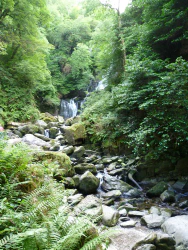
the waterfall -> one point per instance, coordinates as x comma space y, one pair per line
68, 108
101, 85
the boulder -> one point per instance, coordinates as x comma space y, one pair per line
147, 247
75, 134
75, 199
177, 228
165, 242
88, 183
127, 224
110, 216
30, 139
83, 167
63, 163
157, 190
47, 117
43, 137
41, 123
30, 129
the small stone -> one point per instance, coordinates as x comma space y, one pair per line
123, 212
130, 223
183, 204
152, 220
112, 194
136, 213
110, 216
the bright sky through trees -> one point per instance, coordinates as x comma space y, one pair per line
118, 4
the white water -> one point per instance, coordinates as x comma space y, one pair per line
68, 108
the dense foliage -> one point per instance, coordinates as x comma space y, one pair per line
34, 213
147, 110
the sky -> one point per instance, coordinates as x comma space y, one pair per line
118, 3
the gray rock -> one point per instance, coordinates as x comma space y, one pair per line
134, 193
68, 150
41, 123
167, 196
122, 212
111, 167
112, 194
183, 204
55, 147
88, 183
147, 247
157, 190
69, 182
78, 152
83, 167
152, 220
30, 139
177, 227
75, 199
165, 212
52, 124
164, 241
127, 224
136, 213
43, 137
149, 239
90, 205
110, 216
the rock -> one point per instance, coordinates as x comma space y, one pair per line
69, 182
149, 239
116, 172
75, 134
68, 150
73, 120
99, 167
63, 168
152, 220
14, 141
60, 119
167, 196
183, 204
30, 129
127, 224
75, 199
110, 216
112, 194
53, 131
47, 117
41, 123
147, 247
88, 183
30, 139
177, 228
43, 137
165, 242
122, 212
90, 205
78, 152
52, 124
83, 167
136, 213
111, 167
180, 185
126, 238
112, 183
134, 193
157, 190
76, 179
55, 147
165, 212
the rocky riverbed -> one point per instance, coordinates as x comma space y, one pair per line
149, 215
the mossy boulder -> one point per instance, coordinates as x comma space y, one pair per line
47, 117
83, 167
30, 129
157, 190
53, 131
75, 134
62, 161
88, 183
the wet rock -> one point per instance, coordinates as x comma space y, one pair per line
115, 172
167, 196
108, 202
110, 216
112, 194
78, 152
99, 167
30, 129
76, 179
149, 239
111, 167
83, 167
127, 224
134, 193
52, 124
55, 147
88, 183
41, 123
157, 190
152, 220
177, 228
165, 212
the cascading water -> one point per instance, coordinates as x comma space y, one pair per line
68, 108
